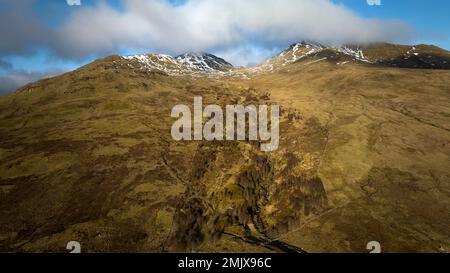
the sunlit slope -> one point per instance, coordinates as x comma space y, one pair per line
364, 156
88, 156
386, 164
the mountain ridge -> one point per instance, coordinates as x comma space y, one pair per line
307, 52
384, 54
380, 54
204, 61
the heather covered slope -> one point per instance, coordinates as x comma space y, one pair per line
403, 56
386, 164
364, 155
88, 156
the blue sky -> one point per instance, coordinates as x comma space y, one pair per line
48, 37
429, 18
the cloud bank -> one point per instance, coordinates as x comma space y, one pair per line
197, 25
205, 25
243, 32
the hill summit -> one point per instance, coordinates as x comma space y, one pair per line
204, 61
381, 54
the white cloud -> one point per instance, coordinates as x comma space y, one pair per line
244, 30
374, 2
73, 2
205, 25
246, 55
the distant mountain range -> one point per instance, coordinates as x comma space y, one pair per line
402, 56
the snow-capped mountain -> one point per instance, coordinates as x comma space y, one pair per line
311, 49
305, 52
300, 50
383, 54
160, 62
186, 64
204, 62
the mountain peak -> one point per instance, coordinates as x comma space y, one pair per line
381, 54
204, 61
309, 44
188, 63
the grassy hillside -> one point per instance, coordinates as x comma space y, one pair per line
364, 155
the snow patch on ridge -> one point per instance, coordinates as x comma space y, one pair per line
355, 53
195, 65
205, 62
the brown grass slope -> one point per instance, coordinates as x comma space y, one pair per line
364, 155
